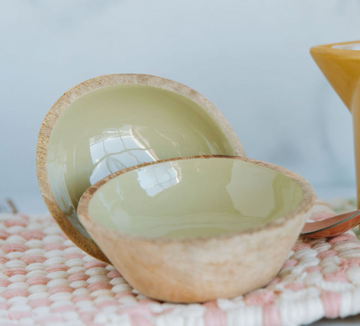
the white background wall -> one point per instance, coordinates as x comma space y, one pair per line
250, 58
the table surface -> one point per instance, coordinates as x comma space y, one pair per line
33, 204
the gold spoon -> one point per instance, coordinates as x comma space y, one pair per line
332, 226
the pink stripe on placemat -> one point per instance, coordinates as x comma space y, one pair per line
107, 303
99, 285
113, 274
14, 247
147, 301
338, 276
290, 262
74, 255
271, 316
15, 222
37, 280
95, 263
78, 277
54, 246
4, 235
33, 259
213, 315
33, 234
274, 281
4, 282
342, 237
60, 289
331, 303
301, 246
354, 261
14, 271
56, 268
313, 269
88, 316
15, 293
327, 253
259, 298
295, 286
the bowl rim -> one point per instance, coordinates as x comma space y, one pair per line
330, 49
85, 87
303, 207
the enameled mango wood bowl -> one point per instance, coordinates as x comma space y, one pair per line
113, 122
198, 228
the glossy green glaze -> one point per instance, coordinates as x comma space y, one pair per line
119, 126
194, 197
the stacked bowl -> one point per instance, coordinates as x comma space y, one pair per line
146, 174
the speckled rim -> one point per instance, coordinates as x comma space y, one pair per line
304, 206
73, 94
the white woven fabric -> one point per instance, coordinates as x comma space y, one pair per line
46, 280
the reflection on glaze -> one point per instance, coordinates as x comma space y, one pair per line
158, 179
197, 197
120, 148
120, 126
351, 46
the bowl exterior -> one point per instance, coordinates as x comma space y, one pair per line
199, 271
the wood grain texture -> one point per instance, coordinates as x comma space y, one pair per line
203, 268
78, 91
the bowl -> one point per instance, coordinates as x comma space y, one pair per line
198, 228
112, 122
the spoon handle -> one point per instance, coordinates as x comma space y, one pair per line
332, 226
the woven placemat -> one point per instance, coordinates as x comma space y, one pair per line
46, 280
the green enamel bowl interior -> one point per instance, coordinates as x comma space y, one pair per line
194, 197
119, 126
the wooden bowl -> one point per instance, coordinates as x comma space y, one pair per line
199, 228
112, 122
